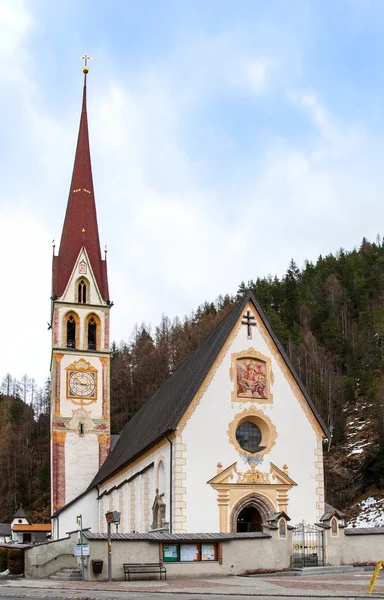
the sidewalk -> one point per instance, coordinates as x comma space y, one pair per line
342, 585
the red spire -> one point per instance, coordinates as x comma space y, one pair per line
80, 224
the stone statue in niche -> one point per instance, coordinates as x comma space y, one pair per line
251, 378
158, 512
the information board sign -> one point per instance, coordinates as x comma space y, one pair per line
189, 552
170, 552
208, 551
77, 550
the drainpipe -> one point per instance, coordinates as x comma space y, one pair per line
170, 483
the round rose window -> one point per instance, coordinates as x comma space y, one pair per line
248, 436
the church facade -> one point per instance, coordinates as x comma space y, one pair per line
229, 440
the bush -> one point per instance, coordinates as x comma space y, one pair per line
16, 561
3, 559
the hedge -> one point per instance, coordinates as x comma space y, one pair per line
16, 561
3, 559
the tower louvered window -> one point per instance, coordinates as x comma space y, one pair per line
71, 332
82, 292
92, 327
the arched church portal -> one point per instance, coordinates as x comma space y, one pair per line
249, 514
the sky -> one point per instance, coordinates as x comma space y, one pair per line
227, 137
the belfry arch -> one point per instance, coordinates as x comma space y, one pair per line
255, 503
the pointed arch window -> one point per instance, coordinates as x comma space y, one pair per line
92, 334
82, 291
71, 332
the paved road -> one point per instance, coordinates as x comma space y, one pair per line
63, 595
351, 585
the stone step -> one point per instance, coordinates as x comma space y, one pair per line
67, 575
69, 570
299, 571
329, 570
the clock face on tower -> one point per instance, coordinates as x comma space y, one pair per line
81, 384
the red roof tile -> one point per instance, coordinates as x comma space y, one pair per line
80, 215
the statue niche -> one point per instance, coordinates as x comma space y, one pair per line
158, 512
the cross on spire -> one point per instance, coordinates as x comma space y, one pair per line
249, 321
86, 58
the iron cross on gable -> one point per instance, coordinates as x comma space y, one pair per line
250, 321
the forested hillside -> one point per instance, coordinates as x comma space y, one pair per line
330, 318
24, 450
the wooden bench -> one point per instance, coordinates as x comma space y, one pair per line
130, 568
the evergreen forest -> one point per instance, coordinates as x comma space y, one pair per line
330, 318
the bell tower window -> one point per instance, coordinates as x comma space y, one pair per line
82, 292
71, 332
92, 330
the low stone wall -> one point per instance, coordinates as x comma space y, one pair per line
44, 560
354, 546
238, 555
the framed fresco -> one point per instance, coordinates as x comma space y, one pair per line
251, 374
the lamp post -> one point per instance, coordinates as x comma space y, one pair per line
111, 517
80, 524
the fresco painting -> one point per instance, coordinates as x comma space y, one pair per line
251, 378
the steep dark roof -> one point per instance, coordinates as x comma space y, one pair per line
5, 529
162, 412
330, 511
21, 514
80, 224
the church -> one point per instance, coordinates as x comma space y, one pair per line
229, 440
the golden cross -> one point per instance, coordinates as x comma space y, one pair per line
86, 57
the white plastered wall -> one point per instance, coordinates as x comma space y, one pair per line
133, 490
81, 463
207, 443
87, 506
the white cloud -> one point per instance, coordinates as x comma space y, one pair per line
25, 295
256, 73
175, 240
15, 22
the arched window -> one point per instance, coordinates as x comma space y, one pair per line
334, 527
82, 292
92, 334
71, 332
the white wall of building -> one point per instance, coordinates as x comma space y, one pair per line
133, 491
66, 521
206, 439
81, 463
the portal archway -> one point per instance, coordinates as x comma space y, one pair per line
248, 520
250, 512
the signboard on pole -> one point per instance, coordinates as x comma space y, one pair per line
112, 517
77, 550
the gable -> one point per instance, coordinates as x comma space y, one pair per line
255, 365
82, 271
173, 403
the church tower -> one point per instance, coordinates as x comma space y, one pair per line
80, 402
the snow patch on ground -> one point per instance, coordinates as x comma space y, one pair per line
371, 513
